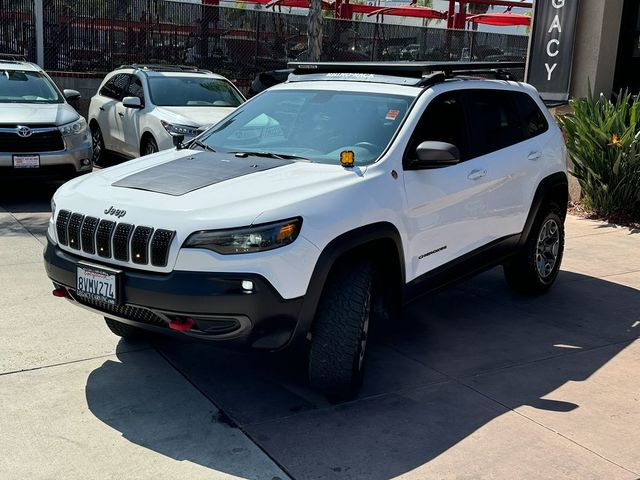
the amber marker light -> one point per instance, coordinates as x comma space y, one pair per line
347, 158
286, 232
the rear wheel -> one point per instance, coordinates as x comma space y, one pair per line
536, 268
341, 331
149, 146
122, 329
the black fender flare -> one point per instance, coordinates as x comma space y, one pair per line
330, 254
554, 186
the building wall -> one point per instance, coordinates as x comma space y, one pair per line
86, 84
596, 46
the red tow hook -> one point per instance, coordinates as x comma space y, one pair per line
60, 292
181, 324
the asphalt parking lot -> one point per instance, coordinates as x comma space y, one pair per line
473, 382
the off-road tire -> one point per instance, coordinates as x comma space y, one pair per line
340, 331
122, 329
523, 271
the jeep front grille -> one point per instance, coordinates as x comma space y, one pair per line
121, 240
108, 239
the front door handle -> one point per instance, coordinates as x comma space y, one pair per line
121, 114
533, 156
476, 174
101, 109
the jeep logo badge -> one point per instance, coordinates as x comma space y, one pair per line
23, 131
114, 212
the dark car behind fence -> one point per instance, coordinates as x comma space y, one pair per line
99, 35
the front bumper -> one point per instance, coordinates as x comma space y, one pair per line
221, 309
63, 163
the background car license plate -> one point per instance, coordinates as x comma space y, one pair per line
97, 284
26, 161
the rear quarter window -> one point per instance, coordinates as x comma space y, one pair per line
533, 119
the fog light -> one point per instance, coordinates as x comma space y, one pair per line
247, 285
86, 162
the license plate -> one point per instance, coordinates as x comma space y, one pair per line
26, 161
97, 284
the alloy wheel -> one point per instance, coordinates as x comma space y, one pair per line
547, 248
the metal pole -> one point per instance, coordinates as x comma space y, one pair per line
39, 13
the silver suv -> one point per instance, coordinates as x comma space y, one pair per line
40, 133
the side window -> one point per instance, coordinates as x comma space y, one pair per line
494, 122
442, 121
115, 87
533, 120
135, 88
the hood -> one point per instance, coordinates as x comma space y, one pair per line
230, 196
195, 116
31, 113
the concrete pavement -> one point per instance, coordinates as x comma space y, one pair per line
472, 383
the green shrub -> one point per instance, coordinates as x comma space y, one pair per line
603, 141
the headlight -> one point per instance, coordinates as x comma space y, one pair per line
257, 238
175, 129
74, 128
53, 208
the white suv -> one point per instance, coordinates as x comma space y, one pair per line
41, 135
316, 208
142, 109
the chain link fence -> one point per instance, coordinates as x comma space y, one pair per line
99, 35
17, 28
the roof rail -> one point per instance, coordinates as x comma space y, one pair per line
403, 69
158, 67
13, 57
425, 73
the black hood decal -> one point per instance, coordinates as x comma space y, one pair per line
196, 171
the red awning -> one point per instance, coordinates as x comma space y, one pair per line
501, 19
417, 12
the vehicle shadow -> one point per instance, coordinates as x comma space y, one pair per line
421, 392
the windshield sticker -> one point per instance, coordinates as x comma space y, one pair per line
392, 114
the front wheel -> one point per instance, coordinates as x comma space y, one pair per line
122, 329
341, 331
536, 268
149, 146
97, 143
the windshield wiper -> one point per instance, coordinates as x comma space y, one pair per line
197, 142
279, 156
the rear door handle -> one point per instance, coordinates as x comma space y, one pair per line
533, 156
102, 109
121, 114
476, 174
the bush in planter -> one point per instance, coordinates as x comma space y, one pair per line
603, 141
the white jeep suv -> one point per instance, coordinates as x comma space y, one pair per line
41, 135
141, 109
317, 207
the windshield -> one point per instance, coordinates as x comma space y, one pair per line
193, 92
17, 86
316, 125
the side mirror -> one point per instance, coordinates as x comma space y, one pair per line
434, 155
132, 102
71, 95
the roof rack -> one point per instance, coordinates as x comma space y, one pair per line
157, 67
12, 57
424, 74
